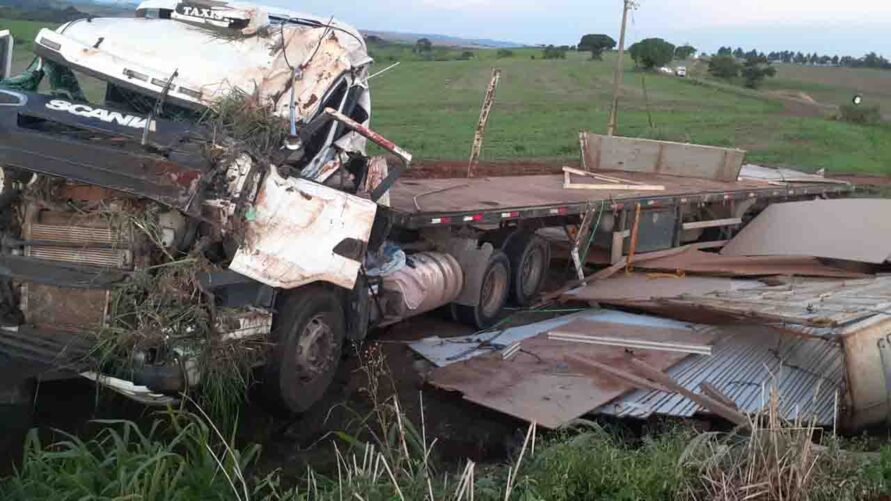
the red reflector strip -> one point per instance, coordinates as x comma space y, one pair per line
441, 220
561, 211
509, 215
474, 218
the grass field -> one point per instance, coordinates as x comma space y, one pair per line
836, 85
431, 108
24, 33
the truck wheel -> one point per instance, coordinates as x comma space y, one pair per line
494, 291
530, 258
307, 335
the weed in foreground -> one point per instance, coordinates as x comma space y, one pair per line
184, 456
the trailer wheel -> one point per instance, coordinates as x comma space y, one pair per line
307, 335
530, 257
494, 291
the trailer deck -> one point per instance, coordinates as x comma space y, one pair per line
421, 203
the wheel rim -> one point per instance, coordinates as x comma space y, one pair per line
494, 291
531, 272
314, 348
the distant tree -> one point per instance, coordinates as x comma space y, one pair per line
873, 60
835, 60
504, 53
374, 40
800, 58
684, 52
465, 56
752, 53
596, 44
725, 51
755, 70
552, 52
738, 53
724, 66
652, 53
423, 46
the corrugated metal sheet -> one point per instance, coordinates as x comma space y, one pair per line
808, 374
443, 352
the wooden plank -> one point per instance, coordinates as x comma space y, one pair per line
480, 132
715, 406
616, 187
584, 364
617, 250
615, 183
716, 223
632, 344
619, 265
602, 177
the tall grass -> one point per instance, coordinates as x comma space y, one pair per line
183, 456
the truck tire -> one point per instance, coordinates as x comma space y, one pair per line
494, 291
307, 335
530, 257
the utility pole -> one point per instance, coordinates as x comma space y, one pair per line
614, 109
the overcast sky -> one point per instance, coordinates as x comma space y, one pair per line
827, 26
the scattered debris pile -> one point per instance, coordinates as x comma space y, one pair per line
720, 330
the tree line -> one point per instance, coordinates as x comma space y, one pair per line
871, 60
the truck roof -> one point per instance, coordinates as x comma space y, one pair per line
143, 54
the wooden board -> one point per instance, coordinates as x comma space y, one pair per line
709, 263
661, 157
537, 384
846, 229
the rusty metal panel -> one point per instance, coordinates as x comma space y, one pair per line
537, 385
709, 263
293, 230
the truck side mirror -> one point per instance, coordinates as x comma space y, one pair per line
6, 45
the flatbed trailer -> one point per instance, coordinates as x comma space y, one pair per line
427, 203
538, 201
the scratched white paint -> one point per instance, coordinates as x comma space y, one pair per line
296, 226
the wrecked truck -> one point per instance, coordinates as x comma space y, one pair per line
128, 213
187, 193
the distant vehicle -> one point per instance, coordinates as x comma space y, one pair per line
666, 70
681, 71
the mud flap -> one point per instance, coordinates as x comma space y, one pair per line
299, 232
